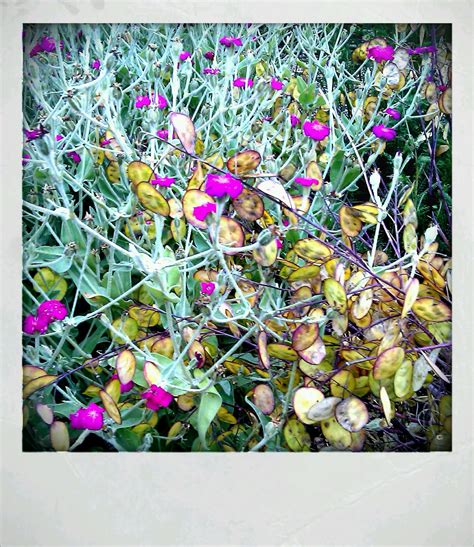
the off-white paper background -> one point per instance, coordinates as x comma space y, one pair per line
244, 499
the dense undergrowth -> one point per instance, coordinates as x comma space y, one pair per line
237, 238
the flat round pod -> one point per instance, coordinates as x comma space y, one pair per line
110, 407
431, 92
431, 310
304, 336
38, 383
361, 386
112, 387
263, 356
31, 372
335, 295
137, 172
125, 325
112, 172
151, 199
315, 353
314, 172
320, 372
401, 58
176, 208
377, 41
358, 440
303, 399
230, 234
51, 283
163, 346
125, 364
324, 409
197, 351
402, 381
192, 199
266, 255
362, 304
274, 188
388, 362
248, 205
244, 162
304, 273
151, 373
263, 398
186, 401
282, 351
391, 73
45, 413
342, 384
296, 436
335, 434
366, 212
59, 436
184, 130
350, 224
352, 414
312, 250
144, 316
445, 101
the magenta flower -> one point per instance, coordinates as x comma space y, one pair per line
35, 50
159, 101
219, 185
383, 132
229, 41
285, 222
33, 324
163, 134
306, 181
96, 64
209, 55
59, 137
124, 388
380, 53
208, 70
89, 417
141, 101
184, 55
74, 156
34, 133
201, 211
278, 243
315, 130
52, 310
422, 49
207, 287
294, 120
163, 181
156, 397
276, 84
25, 159
395, 114
243, 82
48, 44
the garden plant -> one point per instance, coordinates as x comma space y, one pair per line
237, 238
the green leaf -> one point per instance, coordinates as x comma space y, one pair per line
349, 177
209, 404
127, 439
308, 95
337, 167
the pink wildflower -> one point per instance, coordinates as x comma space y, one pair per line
229, 41
25, 159
163, 134
33, 324
201, 211
52, 310
315, 130
141, 101
218, 185
156, 397
306, 181
380, 53
163, 181
294, 120
243, 82
74, 156
208, 70
383, 132
276, 84
422, 49
184, 55
96, 64
34, 133
89, 417
209, 55
278, 243
395, 114
207, 287
59, 138
159, 101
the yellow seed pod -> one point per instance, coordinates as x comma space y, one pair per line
51, 283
